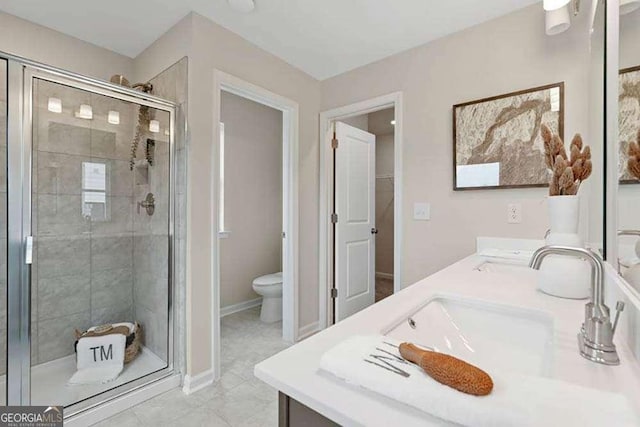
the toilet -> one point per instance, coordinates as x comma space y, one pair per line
270, 287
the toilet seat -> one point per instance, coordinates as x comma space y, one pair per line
269, 279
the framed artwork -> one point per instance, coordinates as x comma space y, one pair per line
497, 142
628, 118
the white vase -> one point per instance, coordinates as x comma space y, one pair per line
565, 276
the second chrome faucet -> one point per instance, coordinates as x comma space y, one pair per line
595, 339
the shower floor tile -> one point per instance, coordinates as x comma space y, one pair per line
49, 380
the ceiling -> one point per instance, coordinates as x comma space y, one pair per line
323, 38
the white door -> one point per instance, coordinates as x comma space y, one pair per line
355, 207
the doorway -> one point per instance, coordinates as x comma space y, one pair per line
360, 239
258, 127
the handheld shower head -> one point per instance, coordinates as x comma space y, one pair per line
121, 80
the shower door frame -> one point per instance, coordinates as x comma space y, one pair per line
22, 73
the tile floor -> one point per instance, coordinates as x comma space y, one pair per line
238, 399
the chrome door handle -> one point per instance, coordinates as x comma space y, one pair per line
374, 231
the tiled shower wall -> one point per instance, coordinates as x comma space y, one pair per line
83, 266
171, 84
110, 264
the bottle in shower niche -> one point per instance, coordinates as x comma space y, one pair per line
565, 276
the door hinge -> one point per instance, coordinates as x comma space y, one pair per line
284, 235
334, 218
334, 293
334, 143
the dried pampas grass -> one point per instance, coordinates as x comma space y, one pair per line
633, 164
568, 171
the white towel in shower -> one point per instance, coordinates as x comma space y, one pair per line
516, 400
99, 359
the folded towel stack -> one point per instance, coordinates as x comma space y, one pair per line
100, 359
516, 400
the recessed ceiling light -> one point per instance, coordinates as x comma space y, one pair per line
393, 122
243, 6
54, 105
85, 112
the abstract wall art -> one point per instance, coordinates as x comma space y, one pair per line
497, 142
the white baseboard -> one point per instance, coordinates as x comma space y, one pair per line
234, 308
191, 384
122, 403
308, 330
384, 275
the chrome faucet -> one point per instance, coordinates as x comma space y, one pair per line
595, 339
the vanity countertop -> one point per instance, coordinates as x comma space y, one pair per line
295, 371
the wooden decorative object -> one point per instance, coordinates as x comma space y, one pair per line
568, 171
633, 164
449, 370
134, 338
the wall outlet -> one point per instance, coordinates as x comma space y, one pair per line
421, 211
514, 213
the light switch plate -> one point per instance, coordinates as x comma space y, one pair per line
514, 213
421, 211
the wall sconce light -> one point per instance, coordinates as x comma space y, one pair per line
113, 117
557, 21
85, 112
554, 4
154, 126
54, 105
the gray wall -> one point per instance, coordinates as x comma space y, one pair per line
150, 257
108, 265
499, 56
379, 124
210, 46
83, 271
253, 197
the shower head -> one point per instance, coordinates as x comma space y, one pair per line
121, 80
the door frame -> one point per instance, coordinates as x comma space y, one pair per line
326, 241
290, 112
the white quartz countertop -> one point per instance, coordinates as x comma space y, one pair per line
295, 370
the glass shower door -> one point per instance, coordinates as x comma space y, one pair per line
100, 221
3, 228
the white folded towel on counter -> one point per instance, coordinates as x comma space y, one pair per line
516, 400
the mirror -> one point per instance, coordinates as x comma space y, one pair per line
628, 261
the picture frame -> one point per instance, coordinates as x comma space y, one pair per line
497, 142
627, 125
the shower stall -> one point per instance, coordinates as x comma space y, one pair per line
86, 232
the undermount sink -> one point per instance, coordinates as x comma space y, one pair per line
488, 335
